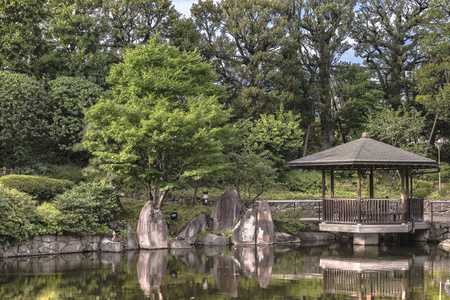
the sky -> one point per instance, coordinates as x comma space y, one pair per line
184, 6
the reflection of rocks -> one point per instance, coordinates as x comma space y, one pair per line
213, 240
190, 231
256, 262
152, 228
190, 258
111, 260
225, 274
132, 256
265, 264
151, 269
227, 209
285, 238
214, 250
256, 227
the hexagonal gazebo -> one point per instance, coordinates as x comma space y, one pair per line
366, 218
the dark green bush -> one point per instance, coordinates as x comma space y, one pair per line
66, 172
307, 181
422, 188
288, 221
18, 215
87, 207
41, 187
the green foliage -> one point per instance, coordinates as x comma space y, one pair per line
50, 220
66, 172
306, 181
422, 188
87, 207
163, 122
278, 135
18, 215
288, 221
24, 117
250, 173
401, 128
185, 214
41, 187
71, 97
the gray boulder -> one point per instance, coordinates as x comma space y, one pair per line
245, 230
264, 226
107, 244
256, 227
227, 209
213, 240
445, 245
180, 244
190, 231
132, 243
152, 228
285, 238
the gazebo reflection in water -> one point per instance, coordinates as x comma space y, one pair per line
365, 278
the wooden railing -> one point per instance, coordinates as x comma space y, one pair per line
362, 284
371, 211
5, 171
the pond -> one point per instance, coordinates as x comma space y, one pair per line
299, 272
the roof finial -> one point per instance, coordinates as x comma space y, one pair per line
365, 135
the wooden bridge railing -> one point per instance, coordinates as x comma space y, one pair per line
371, 211
5, 171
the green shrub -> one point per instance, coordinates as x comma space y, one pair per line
50, 220
288, 221
307, 181
422, 188
40, 187
87, 207
18, 215
66, 172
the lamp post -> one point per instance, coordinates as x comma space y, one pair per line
439, 144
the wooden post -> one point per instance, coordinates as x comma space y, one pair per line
371, 182
402, 177
324, 214
359, 196
411, 186
332, 182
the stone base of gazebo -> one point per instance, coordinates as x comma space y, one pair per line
367, 234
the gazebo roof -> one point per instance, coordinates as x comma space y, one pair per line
363, 152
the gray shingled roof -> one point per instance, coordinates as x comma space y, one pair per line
363, 152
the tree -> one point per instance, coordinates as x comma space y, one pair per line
250, 173
21, 38
356, 95
70, 98
387, 34
161, 124
433, 77
277, 137
133, 22
75, 35
243, 39
401, 128
25, 114
319, 29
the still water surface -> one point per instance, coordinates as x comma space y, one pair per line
300, 272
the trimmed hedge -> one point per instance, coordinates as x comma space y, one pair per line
18, 215
41, 187
86, 208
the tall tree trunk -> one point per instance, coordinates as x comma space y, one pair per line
432, 133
